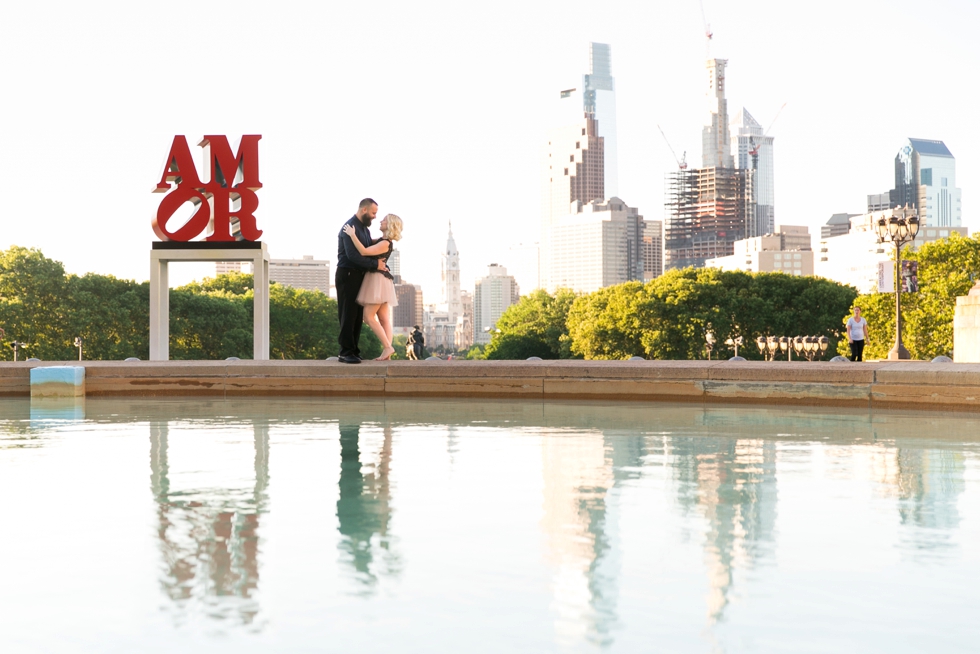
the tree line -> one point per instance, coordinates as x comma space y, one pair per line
665, 318
44, 307
669, 317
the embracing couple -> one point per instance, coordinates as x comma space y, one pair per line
365, 287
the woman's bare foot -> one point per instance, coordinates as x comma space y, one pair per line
386, 354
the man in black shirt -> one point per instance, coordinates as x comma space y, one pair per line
351, 266
418, 343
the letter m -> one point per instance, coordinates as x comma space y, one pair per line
230, 170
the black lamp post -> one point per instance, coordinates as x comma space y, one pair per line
898, 230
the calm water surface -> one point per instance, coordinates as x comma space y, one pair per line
278, 525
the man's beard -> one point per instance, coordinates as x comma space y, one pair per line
366, 220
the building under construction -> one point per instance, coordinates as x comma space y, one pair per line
708, 209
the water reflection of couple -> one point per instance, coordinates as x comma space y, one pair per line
365, 287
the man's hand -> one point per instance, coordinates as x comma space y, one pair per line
382, 266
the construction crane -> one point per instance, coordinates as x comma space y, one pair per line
754, 152
682, 162
708, 34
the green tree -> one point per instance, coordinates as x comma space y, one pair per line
668, 317
535, 326
45, 308
476, 353
33, 303
948, 269
110, 314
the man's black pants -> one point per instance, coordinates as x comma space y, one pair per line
348, 284
857, 350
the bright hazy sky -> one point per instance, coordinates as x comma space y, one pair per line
438, 110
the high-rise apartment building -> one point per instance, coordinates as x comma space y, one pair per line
494, 293
653, 249
306, 273
716, 150
409, 311
707, 211
597, 245
225, 267
925, 178
754, 151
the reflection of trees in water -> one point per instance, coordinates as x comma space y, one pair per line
580, 471
731, 483
364, 508
210, 545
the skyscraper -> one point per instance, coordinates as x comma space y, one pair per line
753, 151
600, 244
573, 169
716, 151
494, 293
711, 207
925, 178
599, 100
707, 211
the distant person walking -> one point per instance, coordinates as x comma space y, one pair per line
410, 348
418, 342
377, 295
351, 268
857, 334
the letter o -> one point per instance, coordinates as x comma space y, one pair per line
169, 205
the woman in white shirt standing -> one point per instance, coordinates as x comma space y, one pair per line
857, 334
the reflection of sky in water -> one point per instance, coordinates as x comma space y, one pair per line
480, 526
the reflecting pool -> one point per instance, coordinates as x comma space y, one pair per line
302, 525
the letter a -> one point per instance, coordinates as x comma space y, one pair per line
179, 167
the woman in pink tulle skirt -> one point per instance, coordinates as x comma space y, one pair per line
377, 294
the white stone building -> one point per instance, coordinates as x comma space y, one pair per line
853, 258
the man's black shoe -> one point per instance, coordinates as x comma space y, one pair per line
349, 358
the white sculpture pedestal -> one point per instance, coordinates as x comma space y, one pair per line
164, 252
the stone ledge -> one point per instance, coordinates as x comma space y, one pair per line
910, 384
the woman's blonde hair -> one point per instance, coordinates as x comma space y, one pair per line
394, 231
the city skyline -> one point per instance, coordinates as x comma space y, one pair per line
324, 149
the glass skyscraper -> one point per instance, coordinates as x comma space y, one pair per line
925, 178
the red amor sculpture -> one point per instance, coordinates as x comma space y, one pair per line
226, 202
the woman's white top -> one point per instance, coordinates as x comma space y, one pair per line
855, 328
